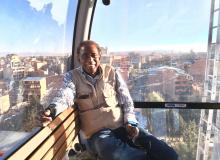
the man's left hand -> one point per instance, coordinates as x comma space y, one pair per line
132, 131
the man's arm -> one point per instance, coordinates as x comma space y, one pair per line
125, 100
63, 99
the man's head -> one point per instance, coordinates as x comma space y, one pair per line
89, 55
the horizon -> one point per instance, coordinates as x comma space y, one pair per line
141, 52
180, 28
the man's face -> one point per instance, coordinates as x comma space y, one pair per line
89, 58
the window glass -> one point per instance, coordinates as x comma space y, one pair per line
35, 43
160, 47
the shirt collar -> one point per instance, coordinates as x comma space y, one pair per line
90, 78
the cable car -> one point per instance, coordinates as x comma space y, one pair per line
167, 51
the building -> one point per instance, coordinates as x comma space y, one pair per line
14, 69
171, 82
18, 73
104, 51
197, 70
4, 103
37, 64
135, 60
2, 62
34, 88
107, 59
124, 67
183, 85
122, 62
116, 62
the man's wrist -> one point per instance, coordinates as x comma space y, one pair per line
132, 123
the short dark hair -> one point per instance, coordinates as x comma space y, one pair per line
88, 43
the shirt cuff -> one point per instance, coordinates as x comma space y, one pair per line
131, 119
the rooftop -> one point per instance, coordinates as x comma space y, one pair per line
34, 78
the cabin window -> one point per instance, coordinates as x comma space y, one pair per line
160, 47
35, 43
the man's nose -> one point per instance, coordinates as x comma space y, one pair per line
91, 59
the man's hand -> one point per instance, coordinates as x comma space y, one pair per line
45, 117
1, 153
132, 131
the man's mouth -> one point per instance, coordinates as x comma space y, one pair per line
91, 65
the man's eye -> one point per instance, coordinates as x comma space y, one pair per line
85, 56
89, 56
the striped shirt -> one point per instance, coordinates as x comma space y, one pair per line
67, 93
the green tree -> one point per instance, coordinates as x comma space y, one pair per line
152, 97
155, 97
30, 113
187, 148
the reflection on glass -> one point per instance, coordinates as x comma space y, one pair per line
36, 41
177, 127
160, 47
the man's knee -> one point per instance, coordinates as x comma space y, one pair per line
109, 149
104, 148
153, 146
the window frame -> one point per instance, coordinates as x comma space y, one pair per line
166, 105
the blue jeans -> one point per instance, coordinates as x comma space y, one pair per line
110, 144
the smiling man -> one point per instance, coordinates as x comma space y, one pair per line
106, 111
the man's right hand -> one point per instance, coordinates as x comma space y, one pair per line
45, 117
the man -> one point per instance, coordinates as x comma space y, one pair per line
106, 111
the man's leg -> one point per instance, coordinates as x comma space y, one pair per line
155, 148
109, 147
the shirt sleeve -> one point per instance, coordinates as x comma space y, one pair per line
125, 100
65, 95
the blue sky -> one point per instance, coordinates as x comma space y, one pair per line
35, 26
45, 26
153, 24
